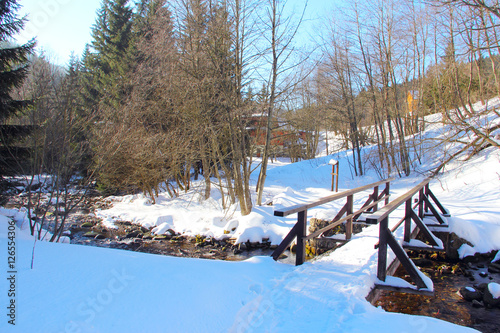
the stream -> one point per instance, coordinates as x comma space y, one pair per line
447, 304
136, 238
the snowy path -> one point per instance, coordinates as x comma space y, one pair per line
328, 295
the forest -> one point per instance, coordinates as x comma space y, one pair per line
167, 92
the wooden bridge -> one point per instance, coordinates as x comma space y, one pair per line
419, 204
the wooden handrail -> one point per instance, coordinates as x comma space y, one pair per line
322, 201
397, 225
350, 216
426, 201
387, 238
299, 229
393, 205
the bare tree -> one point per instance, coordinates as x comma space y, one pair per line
280, 30
57, 180
339, 77
244, 24
491, 6
472, 31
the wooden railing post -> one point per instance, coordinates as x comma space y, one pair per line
338, 176
387, 190
335, 176
382, 249
348, 223
300, 253
408, 211
426, 206
375, 198
421, 203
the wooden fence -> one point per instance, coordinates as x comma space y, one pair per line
426, 205
299, 230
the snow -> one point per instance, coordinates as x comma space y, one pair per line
494, 289
400, 283
21, 217
472, 195
162, 228
76, 288
418, 243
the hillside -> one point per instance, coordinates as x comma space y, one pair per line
74, 288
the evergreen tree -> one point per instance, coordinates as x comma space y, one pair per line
105, 71
144, 140
13, 70
76, 124
106, 62
145, 18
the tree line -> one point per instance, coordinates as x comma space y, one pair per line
166, 90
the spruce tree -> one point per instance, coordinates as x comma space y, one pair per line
13, 70
107, 68
143, 146
107, 60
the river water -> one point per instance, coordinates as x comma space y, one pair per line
446, 304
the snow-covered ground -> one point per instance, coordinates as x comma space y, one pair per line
85, 289
75, 288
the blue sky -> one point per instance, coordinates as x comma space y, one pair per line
63, 26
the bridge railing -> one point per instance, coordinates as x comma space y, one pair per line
299, 230
426, 202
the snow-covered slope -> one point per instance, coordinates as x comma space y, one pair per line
75, 288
